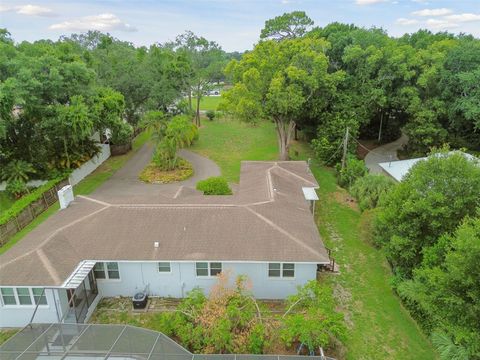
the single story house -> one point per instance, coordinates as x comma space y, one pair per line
397, 170
165, 245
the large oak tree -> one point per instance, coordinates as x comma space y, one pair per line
277, 81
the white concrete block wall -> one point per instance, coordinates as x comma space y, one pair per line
88, 167
136, 276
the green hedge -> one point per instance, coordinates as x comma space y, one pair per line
22, 203
214, 186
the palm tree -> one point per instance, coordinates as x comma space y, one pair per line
156, 123
17, 170
447, 348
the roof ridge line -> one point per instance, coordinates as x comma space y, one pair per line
48, 265
94, 200
191, 206
40, 245
283, 231
178, 192
296, 175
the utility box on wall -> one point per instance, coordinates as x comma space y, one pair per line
65, 196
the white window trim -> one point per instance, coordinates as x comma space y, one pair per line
105, 271
17, 300
164, 272
209, 276
281, 277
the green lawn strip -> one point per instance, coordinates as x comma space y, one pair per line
228, 142
381, 327
5, 201
84, 187
208, 103
6, 334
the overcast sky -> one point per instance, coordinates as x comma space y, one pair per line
234, 24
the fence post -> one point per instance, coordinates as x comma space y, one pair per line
16, 223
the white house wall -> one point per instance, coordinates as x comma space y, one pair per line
19, 315
137, 276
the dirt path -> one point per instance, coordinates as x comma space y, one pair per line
384, 153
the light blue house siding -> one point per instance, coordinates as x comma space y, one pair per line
137, 276
20, 315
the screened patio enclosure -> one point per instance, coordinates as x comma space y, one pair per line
97, 342
81, 288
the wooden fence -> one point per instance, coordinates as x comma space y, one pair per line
17, 223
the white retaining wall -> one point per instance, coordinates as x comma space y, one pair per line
87, 168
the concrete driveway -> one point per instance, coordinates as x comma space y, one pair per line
384, 153
126, 184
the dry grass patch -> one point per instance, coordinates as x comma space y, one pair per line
155, 175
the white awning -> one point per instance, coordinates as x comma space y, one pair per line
79, 274
309, 193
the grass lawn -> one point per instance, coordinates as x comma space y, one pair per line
208, 103
84, 187
6, 334
5, 201
379, 327
227, 142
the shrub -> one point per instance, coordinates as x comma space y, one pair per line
122, 134
368, 189
312, 319
353, 170
214, 186
26, 200
210, 115
16, 188
227, 321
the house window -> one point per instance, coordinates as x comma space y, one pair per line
112, 270
288, 270
39, 296
281, 270
202, 268
164, 267
274, 269
24, 297
107, 270
208, 269
99, 270
8, 296
215, 268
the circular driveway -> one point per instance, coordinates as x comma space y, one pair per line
124, 183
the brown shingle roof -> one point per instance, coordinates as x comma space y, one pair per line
268, 219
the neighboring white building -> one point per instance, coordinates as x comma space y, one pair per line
400, 168
167, 246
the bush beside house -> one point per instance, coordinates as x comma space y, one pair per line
216, 185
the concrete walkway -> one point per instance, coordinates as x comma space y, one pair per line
125, 182
384, 153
